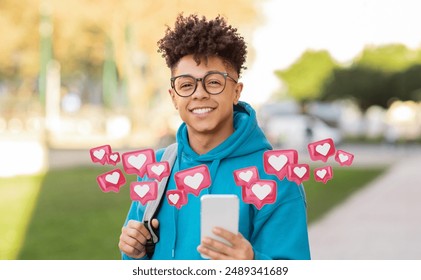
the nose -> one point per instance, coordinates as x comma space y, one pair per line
200, 92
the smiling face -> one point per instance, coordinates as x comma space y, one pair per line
207, 114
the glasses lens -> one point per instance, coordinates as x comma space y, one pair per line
185, 85
214, 83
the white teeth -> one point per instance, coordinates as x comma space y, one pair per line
201, 110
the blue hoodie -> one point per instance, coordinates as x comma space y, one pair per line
276, 231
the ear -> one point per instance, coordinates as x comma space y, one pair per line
237, 94
173, 98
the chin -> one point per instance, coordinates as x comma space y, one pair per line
204, 130
201, 129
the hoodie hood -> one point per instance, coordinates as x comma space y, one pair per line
247, 138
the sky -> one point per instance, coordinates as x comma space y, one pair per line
342, 27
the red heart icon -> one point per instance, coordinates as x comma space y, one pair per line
143, 191
245, 176
158, 170
344, 158
193, 180
321, 150
323, 174
111, 181
100, 154
135, 162
177, 198
276, 161
298, 173
113, 158
260, 193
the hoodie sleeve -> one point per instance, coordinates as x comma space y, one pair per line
280, 229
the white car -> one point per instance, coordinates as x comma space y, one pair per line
296, 131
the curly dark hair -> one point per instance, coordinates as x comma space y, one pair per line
203, 38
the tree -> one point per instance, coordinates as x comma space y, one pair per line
364, 85
388, 58
304, 79
407, 84
19, 48
378, 76
81, 30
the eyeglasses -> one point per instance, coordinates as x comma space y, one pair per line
213, 82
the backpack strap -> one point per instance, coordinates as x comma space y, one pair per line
169, 155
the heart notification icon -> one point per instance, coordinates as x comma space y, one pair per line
245, 176
135, 162
193, 180
298, 173
260, 193
276, 161
321, 150
111, 181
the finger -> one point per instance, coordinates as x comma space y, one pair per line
217, 246
135, 234
155, 223
214, 255
130, 250
138, 243
232, 238
140, 227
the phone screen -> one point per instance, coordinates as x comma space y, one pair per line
218, 211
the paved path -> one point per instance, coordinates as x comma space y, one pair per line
382, 221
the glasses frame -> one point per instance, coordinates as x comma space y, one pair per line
202, 80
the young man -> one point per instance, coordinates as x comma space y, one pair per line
206, 58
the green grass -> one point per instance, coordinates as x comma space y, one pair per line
74, 219
323, 197
17, 199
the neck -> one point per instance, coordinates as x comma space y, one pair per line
202, 143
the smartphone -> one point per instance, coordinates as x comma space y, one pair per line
218, 210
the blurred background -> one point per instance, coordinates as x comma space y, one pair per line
84, 73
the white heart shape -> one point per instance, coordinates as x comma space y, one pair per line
194, 181
323, 149
278, 162
113, 178
321, 173
137, 161
99, 154
246, 176
300, 171
343, 157
141, 190
158, 169
174, 198
114, 157
261, 191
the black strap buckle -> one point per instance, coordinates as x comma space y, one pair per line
150, 245
149, 248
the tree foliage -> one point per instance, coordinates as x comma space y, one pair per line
304, 78
407, 84
19, 48
364, 85
388, 58
377, 76
83, 31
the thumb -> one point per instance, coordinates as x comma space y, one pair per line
155, 223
